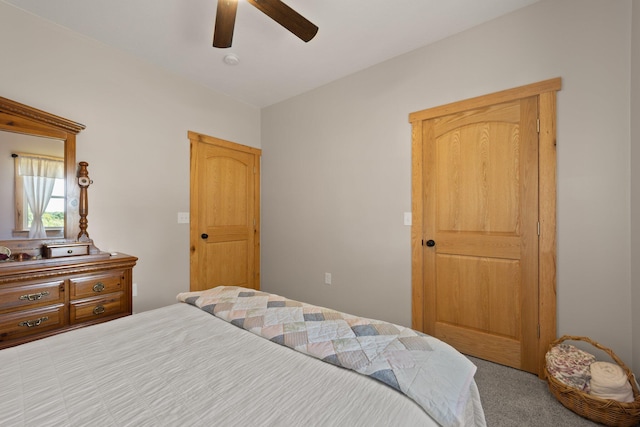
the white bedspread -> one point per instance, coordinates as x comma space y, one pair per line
180, 366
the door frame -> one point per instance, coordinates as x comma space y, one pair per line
194, 227
546, 93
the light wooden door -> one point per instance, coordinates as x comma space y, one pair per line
479, 242
225, 214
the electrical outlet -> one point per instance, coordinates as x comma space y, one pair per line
327, 278
183, 217
134, 290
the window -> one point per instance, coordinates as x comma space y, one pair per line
53, 215
39, 194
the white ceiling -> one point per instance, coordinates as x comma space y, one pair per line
274, 64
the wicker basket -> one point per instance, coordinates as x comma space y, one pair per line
604, 411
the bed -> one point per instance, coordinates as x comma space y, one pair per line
193, 363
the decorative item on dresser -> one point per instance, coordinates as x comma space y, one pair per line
50, 285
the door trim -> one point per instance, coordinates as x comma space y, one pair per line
546, 92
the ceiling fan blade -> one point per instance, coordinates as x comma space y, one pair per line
225, 21
287, 17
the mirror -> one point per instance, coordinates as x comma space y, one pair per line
15, 215
23, 129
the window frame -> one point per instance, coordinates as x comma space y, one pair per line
21, 208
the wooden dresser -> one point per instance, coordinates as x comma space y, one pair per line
48, 296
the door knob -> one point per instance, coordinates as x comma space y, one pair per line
204, 235
431, 243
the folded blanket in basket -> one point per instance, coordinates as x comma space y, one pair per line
570, 365
609, 381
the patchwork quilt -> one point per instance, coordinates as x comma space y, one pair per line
427, 370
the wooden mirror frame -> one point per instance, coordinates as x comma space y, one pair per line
20, 118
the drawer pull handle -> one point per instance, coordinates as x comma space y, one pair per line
98, 310
33, 297
98, 287
32, 323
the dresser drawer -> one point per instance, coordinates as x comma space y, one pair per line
29, 322
64, 250
45, 297
32, 295
98, 284
96, 308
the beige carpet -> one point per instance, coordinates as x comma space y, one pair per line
515, 398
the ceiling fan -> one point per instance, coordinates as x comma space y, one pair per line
275, 9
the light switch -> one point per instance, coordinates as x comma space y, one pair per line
407, 218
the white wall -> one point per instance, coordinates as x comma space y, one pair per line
137, 118
635, 183
336, 165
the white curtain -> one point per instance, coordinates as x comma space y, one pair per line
38, 177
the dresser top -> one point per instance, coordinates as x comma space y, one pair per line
64, 265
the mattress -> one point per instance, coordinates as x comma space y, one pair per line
180, 366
